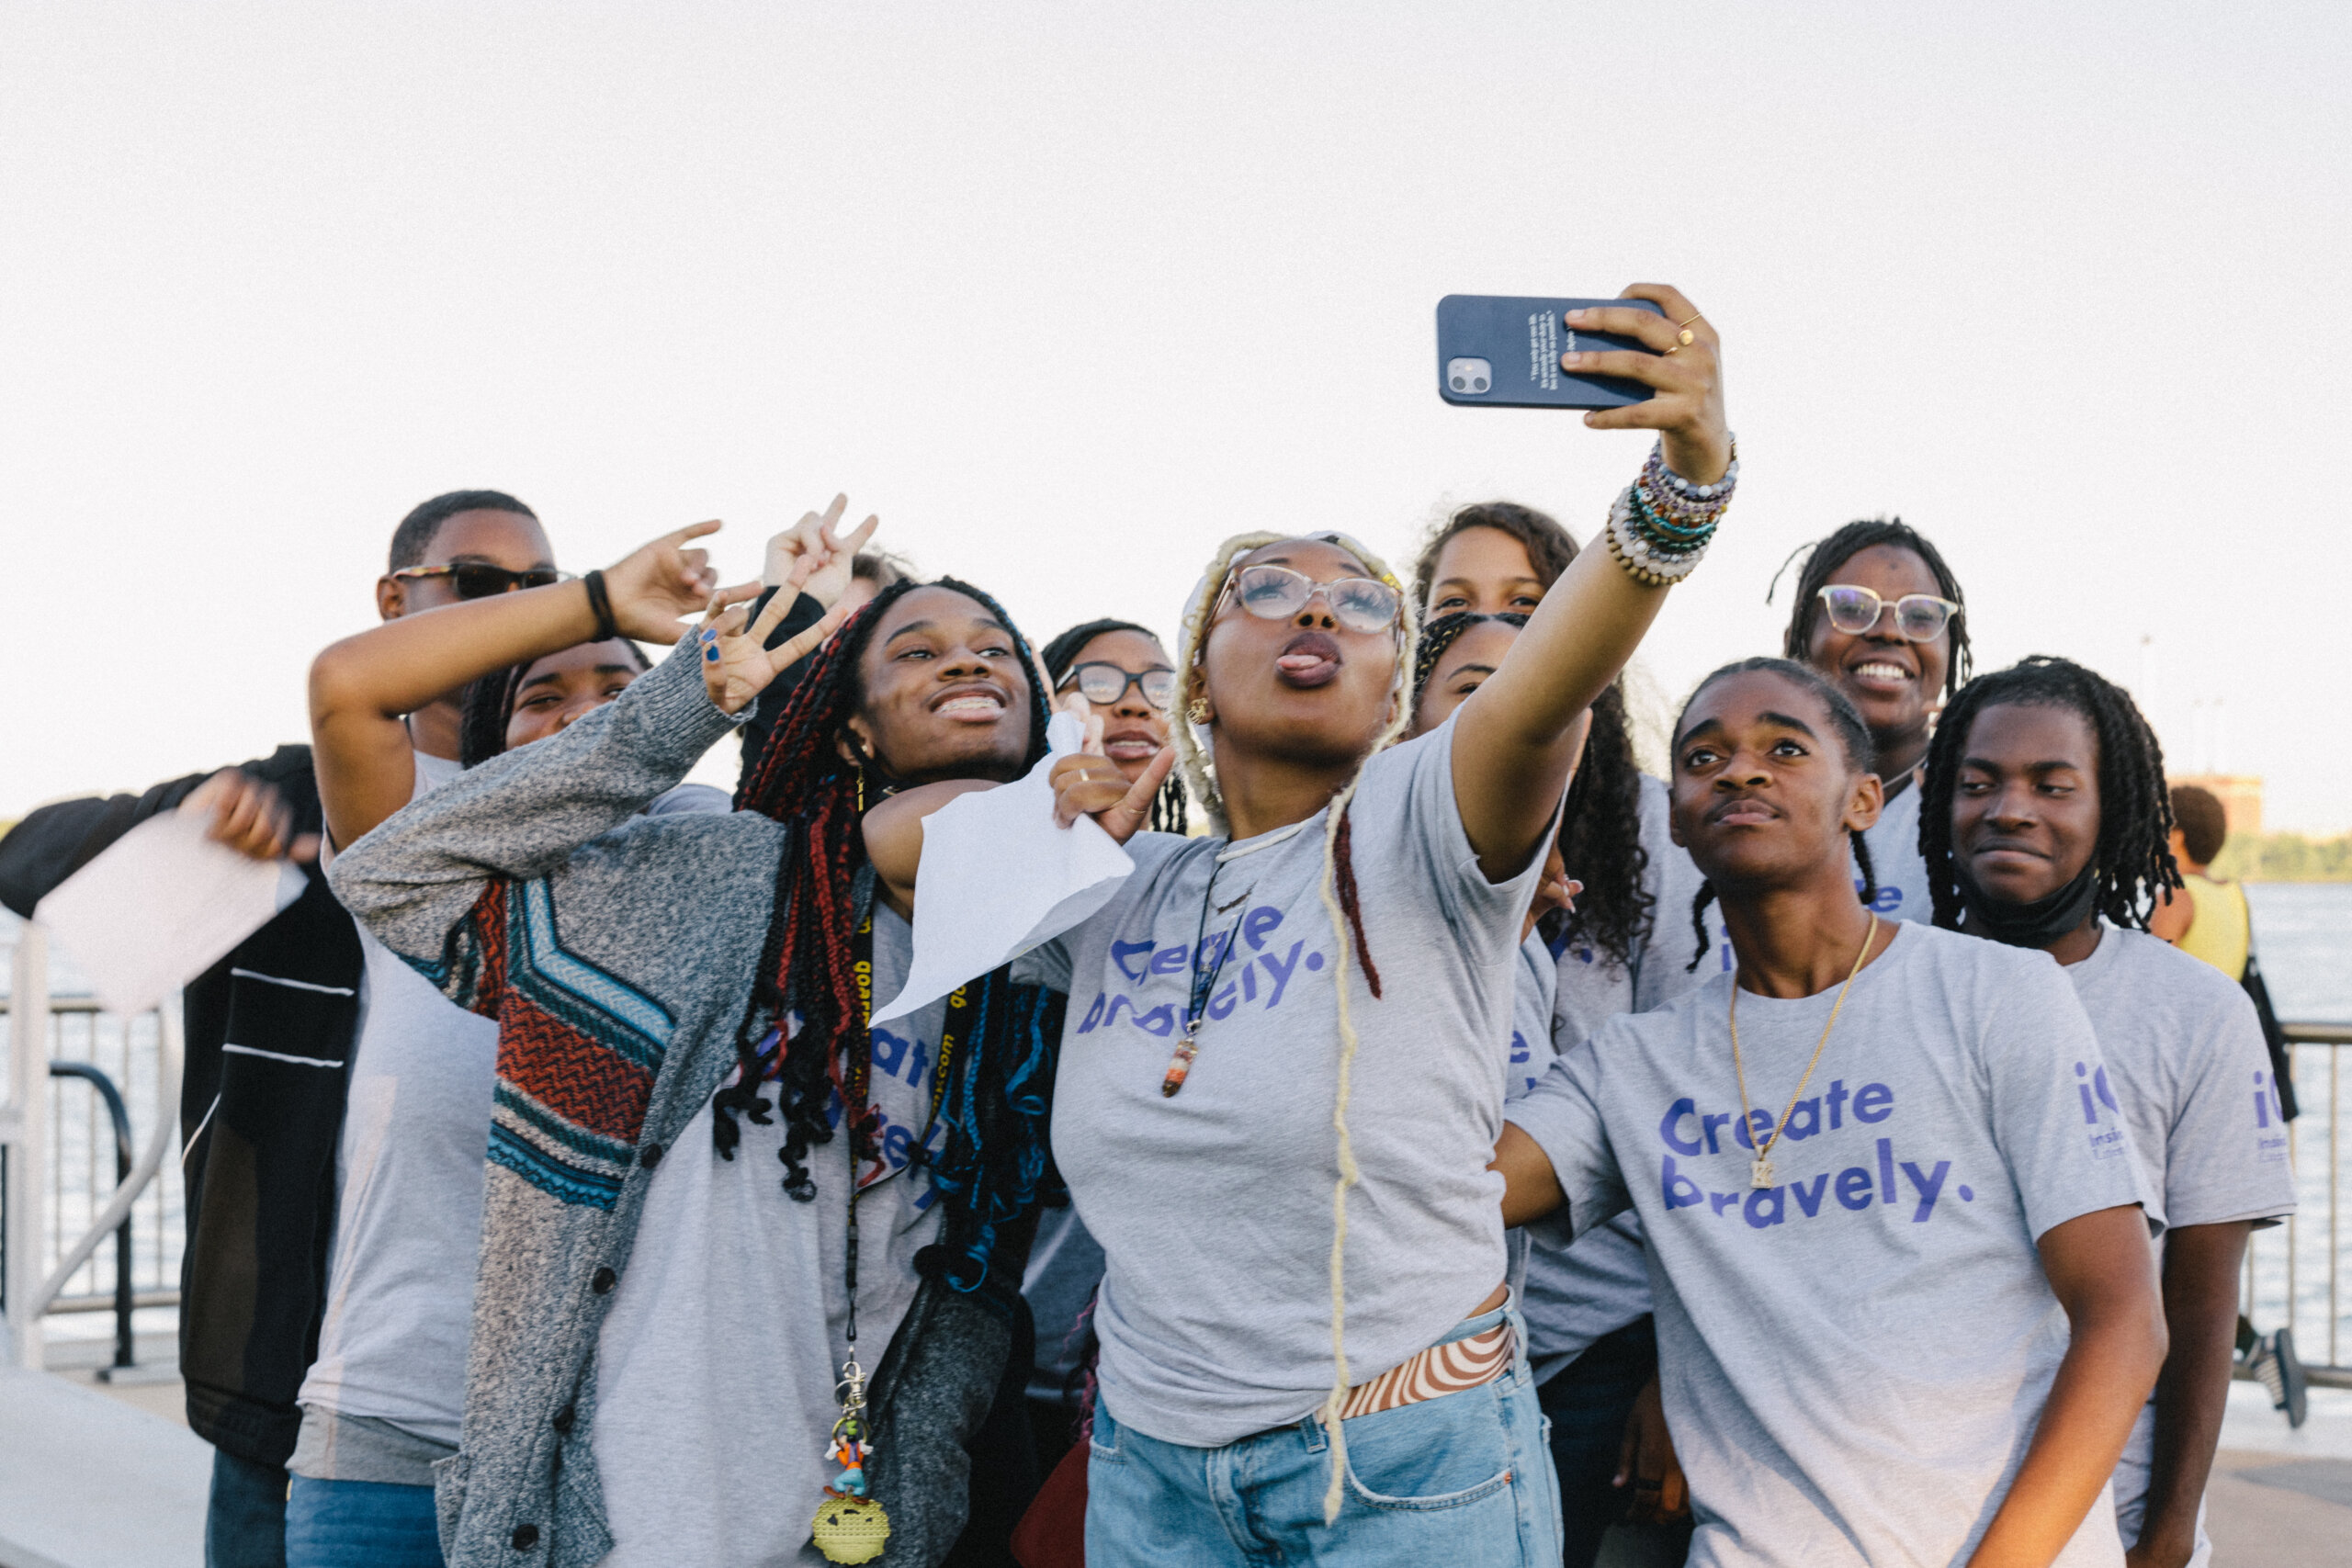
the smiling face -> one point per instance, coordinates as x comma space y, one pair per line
1133, 730
1304, 688
2025, 809
1894, 684
1486, 571
1764, 794
1462, 670
564, 686
946, 695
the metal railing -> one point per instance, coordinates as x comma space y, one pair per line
2295, 1272
59, 1200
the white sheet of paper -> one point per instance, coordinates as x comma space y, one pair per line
160, 906
1001, 877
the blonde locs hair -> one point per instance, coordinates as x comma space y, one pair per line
1197, 760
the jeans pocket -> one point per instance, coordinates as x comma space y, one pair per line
1441, 1453
1102, 1438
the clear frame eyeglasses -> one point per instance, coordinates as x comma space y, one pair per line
1855, 610
1277, 592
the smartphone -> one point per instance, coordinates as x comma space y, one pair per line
1497, 350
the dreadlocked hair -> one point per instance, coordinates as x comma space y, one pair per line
489, 708
1827, 555
1170, 813
1853, 740
994, 1165
1338, 888
2134, 852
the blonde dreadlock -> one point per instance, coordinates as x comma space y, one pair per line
1336, 887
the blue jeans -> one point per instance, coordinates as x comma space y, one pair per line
361, 1524
1466, 1478
245, 1521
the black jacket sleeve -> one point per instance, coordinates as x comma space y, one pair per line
805, 612
58, 841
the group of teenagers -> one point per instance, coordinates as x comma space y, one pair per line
1376, 1178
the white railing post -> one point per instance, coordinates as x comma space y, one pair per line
24, 1127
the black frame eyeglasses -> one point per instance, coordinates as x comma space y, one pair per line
1102, 683
479, 580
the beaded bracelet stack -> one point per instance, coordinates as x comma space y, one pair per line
1660, 524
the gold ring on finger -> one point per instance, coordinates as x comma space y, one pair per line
1694, 316
1686, 339
1671, 352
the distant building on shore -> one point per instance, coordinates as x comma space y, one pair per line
2240, 794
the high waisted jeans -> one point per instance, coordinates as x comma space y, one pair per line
1466, 1478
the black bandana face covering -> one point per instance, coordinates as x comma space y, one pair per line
2037, 924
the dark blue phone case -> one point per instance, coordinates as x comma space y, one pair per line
1521, 339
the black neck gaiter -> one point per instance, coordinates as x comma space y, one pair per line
2037, 924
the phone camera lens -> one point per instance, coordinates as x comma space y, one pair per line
1460, 385
1479, 385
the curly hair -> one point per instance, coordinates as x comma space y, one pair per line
994, 1165
1600, 825
1827, 555
1549, 547
1853, 740
2132, 856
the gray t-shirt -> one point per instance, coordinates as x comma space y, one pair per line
2186, 1070
1902, 872
1854, 1358
408, 1211
1213, 1207
712, 1380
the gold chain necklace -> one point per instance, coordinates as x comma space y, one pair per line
1761, 1173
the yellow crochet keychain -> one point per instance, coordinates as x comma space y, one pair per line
850, 1526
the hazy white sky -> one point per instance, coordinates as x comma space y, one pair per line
1068, 293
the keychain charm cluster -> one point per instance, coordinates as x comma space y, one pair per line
850, 1526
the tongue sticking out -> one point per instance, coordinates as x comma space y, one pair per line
1309, 659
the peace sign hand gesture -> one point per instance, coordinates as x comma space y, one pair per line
737, 663
656, 586
810, 556
1088, 784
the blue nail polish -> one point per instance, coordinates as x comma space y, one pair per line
711, 634
711, 654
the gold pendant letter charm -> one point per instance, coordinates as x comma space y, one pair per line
1761, 1176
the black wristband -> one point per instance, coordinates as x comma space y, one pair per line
601, 604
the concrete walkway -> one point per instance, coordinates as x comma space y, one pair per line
2281, 1498
89, 1481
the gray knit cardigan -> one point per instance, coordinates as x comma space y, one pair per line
616, 952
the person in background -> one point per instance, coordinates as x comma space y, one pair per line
2208, 919
1879, 612
260, 1121
384, 1401
1905, 1304
1591, 1338
2046, 826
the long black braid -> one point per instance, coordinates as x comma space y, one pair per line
1600, 825
994, 1165
1170, 809
1853, 740
2134, 855
1843, 546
